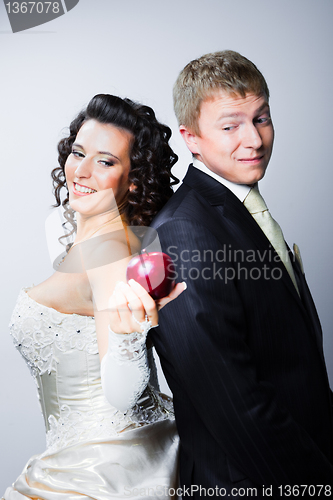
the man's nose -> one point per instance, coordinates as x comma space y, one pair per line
251, 137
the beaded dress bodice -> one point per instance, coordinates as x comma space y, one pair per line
62, 354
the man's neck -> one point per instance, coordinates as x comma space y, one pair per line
239, 190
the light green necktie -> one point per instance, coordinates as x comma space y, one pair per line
257, 207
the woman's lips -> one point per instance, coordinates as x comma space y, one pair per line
80, 190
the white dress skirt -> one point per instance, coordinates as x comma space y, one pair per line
93, 450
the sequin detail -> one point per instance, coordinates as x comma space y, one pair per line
36, 329
49, 341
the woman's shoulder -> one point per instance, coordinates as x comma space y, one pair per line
108, 248
44, 292
66, 293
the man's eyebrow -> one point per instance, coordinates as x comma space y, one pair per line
99, 152
237, 114
262, 107
229, 115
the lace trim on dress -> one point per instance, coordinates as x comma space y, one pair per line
39, 332
127, 347
74, 426
36, 329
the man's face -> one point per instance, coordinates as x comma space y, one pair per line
236, 136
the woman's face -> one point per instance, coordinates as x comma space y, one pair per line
98, 167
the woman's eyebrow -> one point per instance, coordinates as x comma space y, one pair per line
109, 154
99, 152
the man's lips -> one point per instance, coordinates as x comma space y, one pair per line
255, 159
81, 190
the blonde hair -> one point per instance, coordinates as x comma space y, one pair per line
227, 70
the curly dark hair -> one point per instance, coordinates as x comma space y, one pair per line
151, 156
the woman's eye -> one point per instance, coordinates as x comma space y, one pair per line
78, 154
230, 127
107, 163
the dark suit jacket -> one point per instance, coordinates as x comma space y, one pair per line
241, 351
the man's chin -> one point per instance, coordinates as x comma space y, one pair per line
256, 177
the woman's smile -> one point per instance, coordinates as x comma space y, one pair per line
99, 163
80, 190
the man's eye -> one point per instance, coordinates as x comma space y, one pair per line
263, 119
231, 127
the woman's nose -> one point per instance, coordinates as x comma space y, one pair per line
84, 168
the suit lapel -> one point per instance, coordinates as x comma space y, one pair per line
308, 303
228, 206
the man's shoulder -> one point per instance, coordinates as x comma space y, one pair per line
191, 201
174, 207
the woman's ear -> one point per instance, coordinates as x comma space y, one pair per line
190, 139
131, 187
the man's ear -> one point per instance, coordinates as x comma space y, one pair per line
190, 139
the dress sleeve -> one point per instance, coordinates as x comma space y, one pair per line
125, 369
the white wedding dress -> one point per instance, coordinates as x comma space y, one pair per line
93, 450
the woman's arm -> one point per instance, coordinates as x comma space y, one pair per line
125, 370
123, 314
125, 364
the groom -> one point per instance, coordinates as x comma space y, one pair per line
242, 348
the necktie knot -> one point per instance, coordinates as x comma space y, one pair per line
254, 202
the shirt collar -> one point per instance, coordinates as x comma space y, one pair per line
239, 190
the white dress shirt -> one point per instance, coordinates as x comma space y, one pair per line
239, 190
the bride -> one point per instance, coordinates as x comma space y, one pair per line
109, 432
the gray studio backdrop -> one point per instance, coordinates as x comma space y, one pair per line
136, 49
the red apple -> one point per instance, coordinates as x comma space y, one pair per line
154, 271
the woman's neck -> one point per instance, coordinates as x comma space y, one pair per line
96, 224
